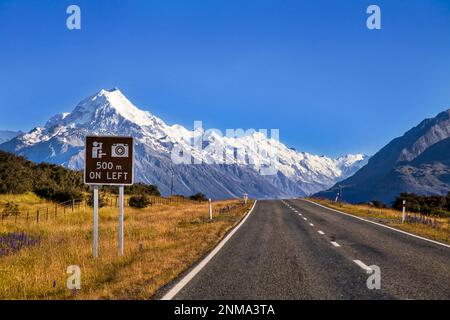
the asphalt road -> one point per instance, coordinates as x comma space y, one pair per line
294, 249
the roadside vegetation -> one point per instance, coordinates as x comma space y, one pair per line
161, 241
434, 225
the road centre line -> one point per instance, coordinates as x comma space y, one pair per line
362, 265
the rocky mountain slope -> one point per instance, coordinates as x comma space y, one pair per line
419, 162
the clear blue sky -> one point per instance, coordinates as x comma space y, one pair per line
310, 68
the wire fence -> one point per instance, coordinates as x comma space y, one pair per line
48, 211
438, 223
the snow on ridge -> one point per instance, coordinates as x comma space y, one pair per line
109, 102
110, 112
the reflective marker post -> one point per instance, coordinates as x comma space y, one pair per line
121, 220
95, 248
210, 210
404, 211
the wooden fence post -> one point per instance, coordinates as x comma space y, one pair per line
37, 216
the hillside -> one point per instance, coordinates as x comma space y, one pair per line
18, 175
418, 162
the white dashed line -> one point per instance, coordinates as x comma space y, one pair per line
321, 232
362, 265
334, 243
304, 218
311, 225
381, 225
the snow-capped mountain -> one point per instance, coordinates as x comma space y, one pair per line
200, 160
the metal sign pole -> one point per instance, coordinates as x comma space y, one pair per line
121, 188
95, 249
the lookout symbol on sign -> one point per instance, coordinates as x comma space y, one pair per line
97, 151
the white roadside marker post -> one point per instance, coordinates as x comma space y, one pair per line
210, 210
121, 220
95, 248
404, 212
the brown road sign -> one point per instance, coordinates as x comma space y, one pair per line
108, 160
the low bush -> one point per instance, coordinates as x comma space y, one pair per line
198, 197
140, 201
11, 209
59, 196
101, 200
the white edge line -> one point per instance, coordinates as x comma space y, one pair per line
379, 224
362, 265
183, 282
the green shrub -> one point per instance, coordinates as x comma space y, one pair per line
59, 196
101, 200
439, 213
140, 201
11, 209
429, 205
377, 204
198, 197
139, 188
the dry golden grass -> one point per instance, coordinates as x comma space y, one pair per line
161, 241
393, 218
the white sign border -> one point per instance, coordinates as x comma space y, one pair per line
107, 184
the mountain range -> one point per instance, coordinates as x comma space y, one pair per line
6, 135
219, 166
418, 161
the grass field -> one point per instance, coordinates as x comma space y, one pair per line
161, 241
393, 218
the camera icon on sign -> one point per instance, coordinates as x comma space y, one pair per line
119, 150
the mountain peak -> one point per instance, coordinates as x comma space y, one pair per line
107, 103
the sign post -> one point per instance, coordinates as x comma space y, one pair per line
121, 220
108, 161
95, 249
